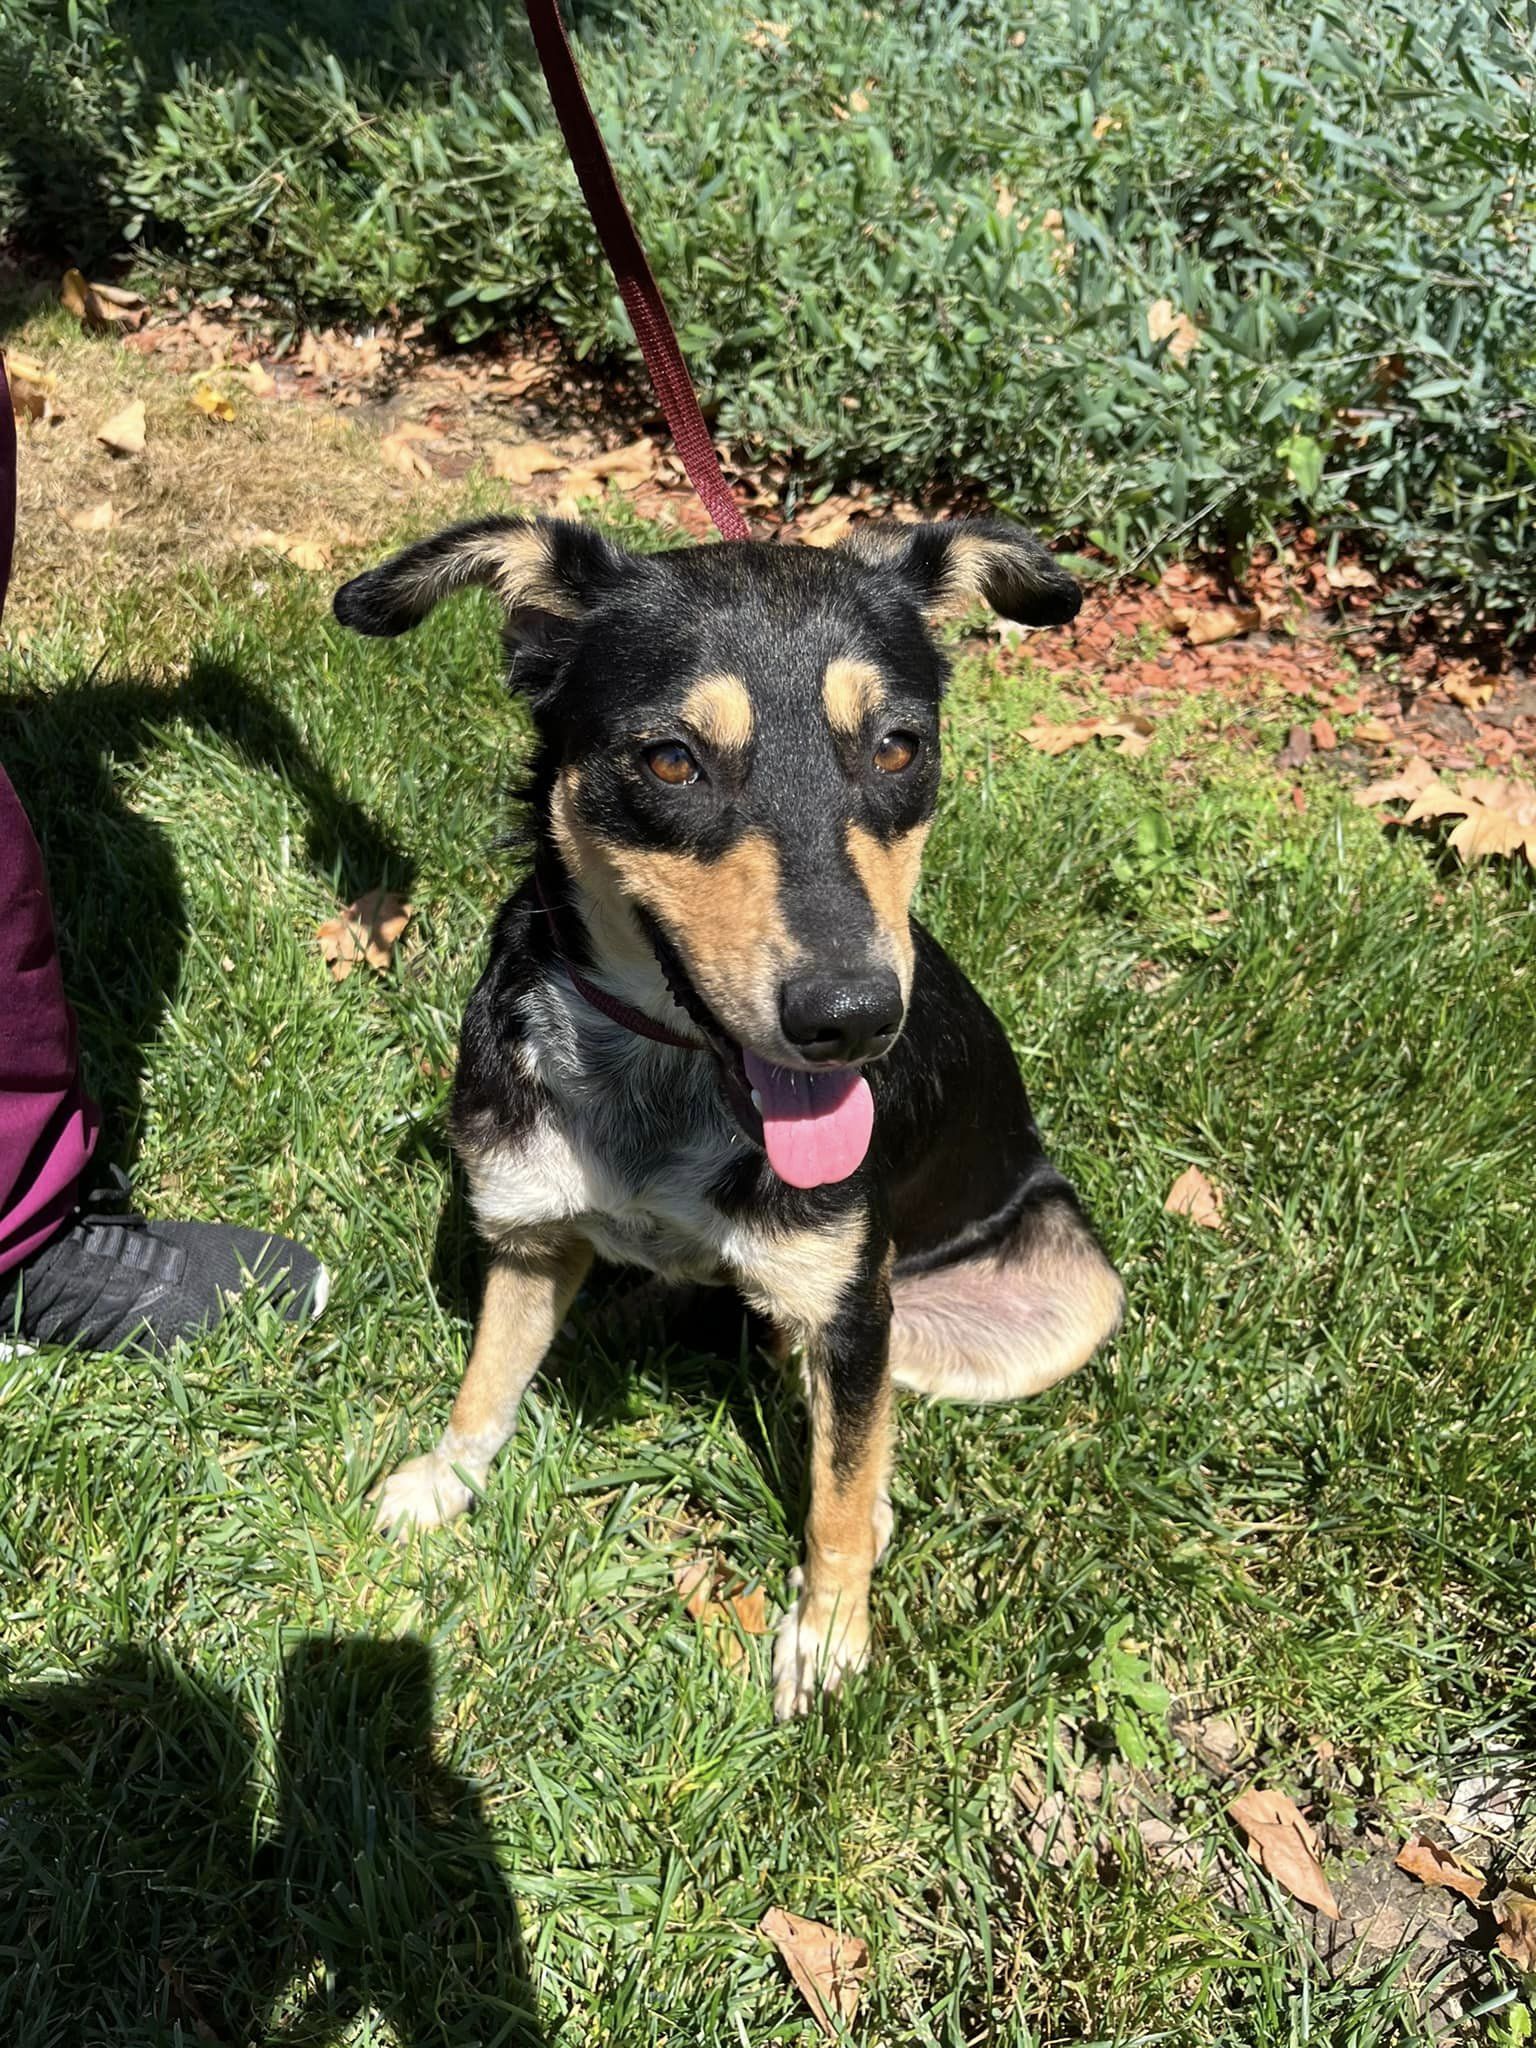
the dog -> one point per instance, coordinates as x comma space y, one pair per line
712, 1042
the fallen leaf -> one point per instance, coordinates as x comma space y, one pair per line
261, 381
304, 554
1297, 748
1485, 833
124, 432
101, 305
750, 1612
1374, 731
400, 451
1211, 623
1431, 1864
1415, 775
368, 929
72, 293
1516, 1915
1282, 1843
521, 462
627, 467
213, 403
1324, 738
824, 525
93, 518
1471, 693
1349, 576
1166, 323
32, 391
692, 1583
1134, 734
699, 1585
828, 1968
1199, 1199
1436, 800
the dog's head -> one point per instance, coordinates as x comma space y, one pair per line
740, 762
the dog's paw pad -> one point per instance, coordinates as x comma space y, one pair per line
423, 1494
815, 1648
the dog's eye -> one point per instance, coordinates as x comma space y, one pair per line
671, 763
895, 752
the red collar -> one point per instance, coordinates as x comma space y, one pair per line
610, 1006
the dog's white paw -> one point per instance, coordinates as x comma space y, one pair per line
423, 1494
818, 1642
885, 1523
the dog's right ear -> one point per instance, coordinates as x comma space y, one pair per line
539, 568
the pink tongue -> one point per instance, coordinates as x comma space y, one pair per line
816, 1127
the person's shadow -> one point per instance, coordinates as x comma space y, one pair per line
119, 907
157, 1886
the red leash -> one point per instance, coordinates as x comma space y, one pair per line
611, 1007
637, 287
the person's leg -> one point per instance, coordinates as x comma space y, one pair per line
65, 1278
48, 1124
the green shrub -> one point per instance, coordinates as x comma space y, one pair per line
924, 244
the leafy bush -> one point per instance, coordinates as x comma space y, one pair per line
1156, 273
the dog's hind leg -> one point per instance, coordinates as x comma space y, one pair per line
528, 1293
1010, 1322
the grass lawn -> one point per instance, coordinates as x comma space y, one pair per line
273, 1778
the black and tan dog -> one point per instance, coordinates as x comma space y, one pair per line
712, 1042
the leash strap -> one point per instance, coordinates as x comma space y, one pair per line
7, 483
599, 998
626, 258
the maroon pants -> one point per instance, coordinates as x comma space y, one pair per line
48, 1124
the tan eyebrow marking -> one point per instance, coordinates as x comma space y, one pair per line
889, 874
850, 690
719, 709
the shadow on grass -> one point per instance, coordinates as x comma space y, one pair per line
143, 1898
119, 905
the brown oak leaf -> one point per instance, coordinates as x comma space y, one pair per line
828, 1968
1431, 1864
1199, 1199
1516, 1915
368, 929
1282, 1843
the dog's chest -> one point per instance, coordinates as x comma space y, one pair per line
625, 1140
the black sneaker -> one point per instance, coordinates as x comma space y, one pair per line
119, 1282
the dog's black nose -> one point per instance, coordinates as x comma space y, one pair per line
833, 1017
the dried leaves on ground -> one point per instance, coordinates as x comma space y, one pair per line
1134, 734
1515, 1912
125, 432
1199, 1199
1431, 1864
712, 1595
33, 391
1282, 1843
368, 929
102, 306
828, 1968
1497, 813
295, 548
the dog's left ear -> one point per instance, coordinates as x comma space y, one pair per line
945, 564
541, 569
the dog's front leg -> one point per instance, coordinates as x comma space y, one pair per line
848, 1391
528, 1293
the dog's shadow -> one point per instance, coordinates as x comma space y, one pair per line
162, 1877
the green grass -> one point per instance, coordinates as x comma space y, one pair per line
275, 1777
